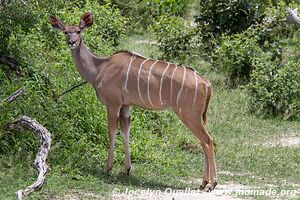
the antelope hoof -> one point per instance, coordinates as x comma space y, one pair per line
212, 187
203, 185
127, 171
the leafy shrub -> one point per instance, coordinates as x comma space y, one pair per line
234, 57
275, 87
172, 7
145, 13
235, 53
228, 17
15, 17
176, 41
272, 29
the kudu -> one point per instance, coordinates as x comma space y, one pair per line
127, 78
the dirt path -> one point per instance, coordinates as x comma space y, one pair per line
288, 141
224, 192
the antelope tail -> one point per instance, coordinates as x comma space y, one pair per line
204, 116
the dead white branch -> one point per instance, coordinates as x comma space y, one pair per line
14, 95
41, 157
293, 16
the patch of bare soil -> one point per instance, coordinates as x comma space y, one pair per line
292, 141
228, 191
146, 42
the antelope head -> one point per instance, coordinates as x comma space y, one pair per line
73, 32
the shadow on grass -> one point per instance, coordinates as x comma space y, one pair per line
133, 180
138, 181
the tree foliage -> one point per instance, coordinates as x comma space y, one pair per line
264, 59
145, 13
234, 57
177, 41
228, 17
274, 88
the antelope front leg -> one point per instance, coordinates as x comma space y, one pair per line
125, 131
113, 116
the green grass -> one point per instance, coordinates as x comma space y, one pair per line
164, 153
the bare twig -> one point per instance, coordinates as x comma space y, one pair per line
293, 16
41, 157
14, 95
69, 90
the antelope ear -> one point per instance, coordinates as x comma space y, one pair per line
86, 20
56, 23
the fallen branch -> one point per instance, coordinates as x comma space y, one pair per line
11, 63
41, 157
293, 16
14, 95
69, 90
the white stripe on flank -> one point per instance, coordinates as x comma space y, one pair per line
138, 79
206, 90
196, 88
171, 88
148, 89
179, 93
98, 76
129, 66
161, 83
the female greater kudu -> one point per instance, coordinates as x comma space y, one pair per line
126, 78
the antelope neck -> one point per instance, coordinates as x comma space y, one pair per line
87, 64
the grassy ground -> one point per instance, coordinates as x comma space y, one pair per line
172, 157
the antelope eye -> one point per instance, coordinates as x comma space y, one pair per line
78, 32
66, 32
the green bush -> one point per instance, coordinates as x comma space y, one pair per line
145, 13
235, 53
218, 17
235, 16
176, 41
272, 29
274, 87
234, 57
16, 17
